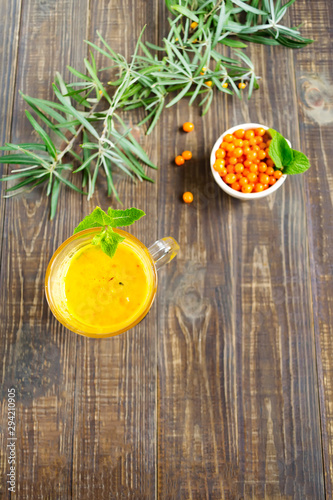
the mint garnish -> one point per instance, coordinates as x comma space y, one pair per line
285, 158
107, 238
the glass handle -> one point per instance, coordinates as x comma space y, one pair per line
163, 251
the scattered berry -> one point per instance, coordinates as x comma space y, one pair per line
194, 25
187, 155
188, 197
179, 160
188, 127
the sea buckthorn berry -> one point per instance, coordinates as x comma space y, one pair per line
228, 138
261, 154
238, 176
259, 139
270, 171
269, 162
230, 169
238, 143
219, 169
223, 145
239, 167
233, 160
263, 178
230, 147
252, 141
253, 168
209, 83
247, 163
223, 172
239, 133
241, 85
258, 187
188, 197
272, 180
260, 131
246, 172
263, 145
278, 174
266, 186
251, 177
194, 25
252, 155
225, 85
243, 181
236, 186
230, 178
220, 153
203, 70
246, 142
179, 160
187, 155
247, 188
246, 150
262, 167
219, 161
249, 134
188, 127
238, 152
255, 148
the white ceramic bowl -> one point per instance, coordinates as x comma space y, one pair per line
226, 187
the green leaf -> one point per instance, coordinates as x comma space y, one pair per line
124, 217
97, 218
44, 136
108, 240
186, 12
248, 8
279, 150
54, 197
300, 163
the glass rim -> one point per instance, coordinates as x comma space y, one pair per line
55, 310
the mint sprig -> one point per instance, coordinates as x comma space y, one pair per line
285, 158
107, 238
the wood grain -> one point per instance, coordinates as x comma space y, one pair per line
315, 91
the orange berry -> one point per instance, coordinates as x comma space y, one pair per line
223, 172
252, 141
246, 150
188, 127
272, 180
252, 177
188, 197
230, 169
239, 167
278, 174
241, 85
269, 171
187, 155
220, 162
249, 134
263, 145
179, 160
252, 155
233, 160
239, 133
193, 25
230, 147
246, 142
247, 163
238, 152
238, 143
236, 186
225, 85
269, 142
247, 188
223, 145
262, 167
230, 178
209, 83
243, 181
261, 154
259, 139
263, 178
255, 148
265, 186
253, 168
258, 187
260, 131
246, 172
228, 138
219, 168
220, 153
238, 176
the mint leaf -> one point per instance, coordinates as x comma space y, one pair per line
108, 240
300, 163
97, 218
124, 217
279, 150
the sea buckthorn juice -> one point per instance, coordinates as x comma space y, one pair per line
98, 296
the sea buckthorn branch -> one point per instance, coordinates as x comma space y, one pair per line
191, 62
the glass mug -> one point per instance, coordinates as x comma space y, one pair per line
148, 261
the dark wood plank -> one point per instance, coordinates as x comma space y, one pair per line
37, 354
314, 70
9, 31
115, 406
237, 394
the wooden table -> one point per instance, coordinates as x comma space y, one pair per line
225, 390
